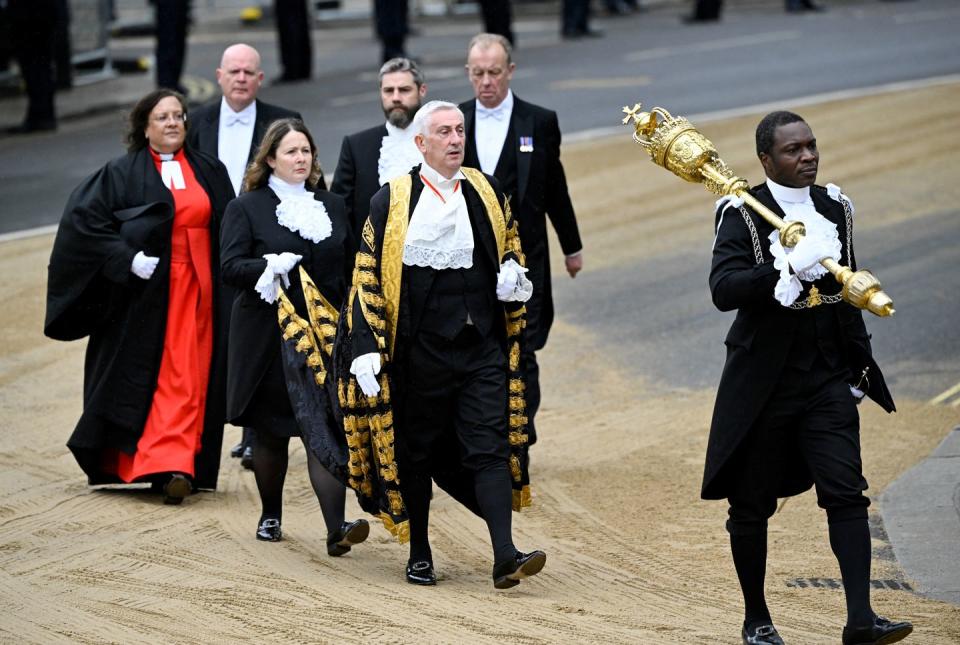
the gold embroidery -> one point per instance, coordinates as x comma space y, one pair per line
391, 256
492, 205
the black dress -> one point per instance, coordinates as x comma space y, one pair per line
257, 392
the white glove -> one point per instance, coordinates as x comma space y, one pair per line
512, 284
143, 265
857, 394
282, 264
366, 368
278, 266
807, 253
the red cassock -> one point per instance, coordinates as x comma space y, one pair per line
172, 434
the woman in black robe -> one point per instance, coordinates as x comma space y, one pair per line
137, 249
280, 222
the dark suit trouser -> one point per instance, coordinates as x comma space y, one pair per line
812, 416
33, 36
707, 9
496, 18
576, 14
293, 32
171, 17
391, 21
455, 399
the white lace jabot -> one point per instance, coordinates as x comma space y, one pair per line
798, 206
398, 153
439, 234
299, 212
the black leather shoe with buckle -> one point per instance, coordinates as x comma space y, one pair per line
421, 572
523, 565
269, 530
881, 632
349, 533
761, 635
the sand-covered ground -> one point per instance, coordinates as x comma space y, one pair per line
633, 555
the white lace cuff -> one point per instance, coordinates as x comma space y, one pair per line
421, 256
788, 287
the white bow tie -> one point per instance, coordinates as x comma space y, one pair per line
242, 119
497, 113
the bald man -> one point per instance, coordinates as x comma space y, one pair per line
231, 129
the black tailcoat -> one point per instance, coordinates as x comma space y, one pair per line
91, 291
357, 178
761, 336
536, 185
250, 230
203, 131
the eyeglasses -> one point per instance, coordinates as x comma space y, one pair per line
174, 116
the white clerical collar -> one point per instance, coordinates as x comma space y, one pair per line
286, 190
394, 131
790, 195
505, 107
439, 180
246, 116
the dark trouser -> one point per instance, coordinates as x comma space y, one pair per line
172, 18
293, 32
33, 31
811, 417
707, 9
576, 15
391, 20
496, 18
455, 401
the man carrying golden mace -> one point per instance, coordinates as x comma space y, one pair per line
798, 355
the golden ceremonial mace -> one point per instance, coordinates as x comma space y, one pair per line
676, 145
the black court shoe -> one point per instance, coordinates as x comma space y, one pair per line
881, 632
269, 530
176, 488
237, 451
246, 458
421, 573
523, 565
761, 635
349, 533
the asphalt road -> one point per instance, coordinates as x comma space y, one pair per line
757, 54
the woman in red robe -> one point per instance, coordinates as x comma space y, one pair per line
135, 266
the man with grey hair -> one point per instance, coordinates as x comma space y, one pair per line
519, 144
371, 157
438, 297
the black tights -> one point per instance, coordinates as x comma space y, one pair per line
494, 496
270, 460
850, 541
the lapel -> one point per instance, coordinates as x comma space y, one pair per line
150, 188
521, 122
260, 125
470, 158
481, 222
211, 143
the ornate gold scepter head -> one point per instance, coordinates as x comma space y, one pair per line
673, 143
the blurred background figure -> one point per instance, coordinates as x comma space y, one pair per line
576, 20
293, 33
705, 11
63, 65
172, 19
135, 266
497, 18
391, 19
33, 30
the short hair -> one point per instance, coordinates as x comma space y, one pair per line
487, 40
140, 116
258, 172
401, 65
421, 122
769, 124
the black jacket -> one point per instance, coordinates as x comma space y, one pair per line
250, 230
760, 337
540, 190
357, 178
91, 291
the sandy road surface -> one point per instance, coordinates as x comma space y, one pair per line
634, 556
